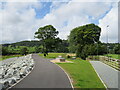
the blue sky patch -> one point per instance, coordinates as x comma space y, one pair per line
41, 12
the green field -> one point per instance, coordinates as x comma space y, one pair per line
115, 56
81, 72
9, 56
53, 55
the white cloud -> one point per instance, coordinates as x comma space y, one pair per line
110, 19
74, 14
20, 20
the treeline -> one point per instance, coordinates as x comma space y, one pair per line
100, 49
83, 40
24, 43
62, 47
26, 47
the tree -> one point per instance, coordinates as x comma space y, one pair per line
24, 51
62, 46
84, 35
37, 49
4, 50
47, 35
117, 49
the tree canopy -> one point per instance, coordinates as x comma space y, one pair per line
48, 36
82, 36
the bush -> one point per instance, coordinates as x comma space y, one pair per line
5, 51
24, 51
68, 56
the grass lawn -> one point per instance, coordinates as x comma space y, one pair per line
9, 56
116, 56
81, 72
53, 55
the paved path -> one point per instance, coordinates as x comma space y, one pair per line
45, 75
109, 75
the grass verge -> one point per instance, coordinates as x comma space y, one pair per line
115, 56
53, 55
81, 72
8, 56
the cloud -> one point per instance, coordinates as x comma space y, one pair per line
20, 22
74, 14
110, 19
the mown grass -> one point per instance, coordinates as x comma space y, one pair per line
115, 56
8, 56
81, 72
53, 55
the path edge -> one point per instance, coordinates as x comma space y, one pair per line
23, 77
65, 73
99, 76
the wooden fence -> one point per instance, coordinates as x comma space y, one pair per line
115, 63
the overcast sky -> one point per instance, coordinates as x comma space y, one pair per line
20, 20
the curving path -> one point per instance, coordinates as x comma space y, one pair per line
45, 75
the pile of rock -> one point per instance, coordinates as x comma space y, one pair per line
14, 69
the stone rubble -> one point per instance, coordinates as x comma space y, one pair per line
14, 69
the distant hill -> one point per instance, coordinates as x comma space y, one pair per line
25, 43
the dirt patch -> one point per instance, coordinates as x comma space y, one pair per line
58, 61
71, 54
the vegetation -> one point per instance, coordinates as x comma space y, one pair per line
82, 73
24, 51
117, 49
15, 48
53, 55
83, 36
83, 40
48, 36
25, 43
9, 56
115, 56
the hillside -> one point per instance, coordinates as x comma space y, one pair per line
24, 43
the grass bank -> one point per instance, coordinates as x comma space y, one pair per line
115, 56
8, 56
53, 55
81, 72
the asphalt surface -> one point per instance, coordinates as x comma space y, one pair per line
45, 75
109, 75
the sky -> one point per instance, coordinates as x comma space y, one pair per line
20, 19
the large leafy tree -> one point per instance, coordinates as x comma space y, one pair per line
82, 36
48, 36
